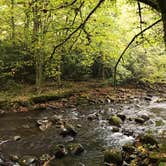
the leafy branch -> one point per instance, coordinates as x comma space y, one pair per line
124, 51
77, 29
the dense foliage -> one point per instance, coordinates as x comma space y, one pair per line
30, 31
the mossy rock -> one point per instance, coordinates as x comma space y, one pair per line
159, 123
113, 156
162, 164
115, 120
49, 97
158, 156
149, 139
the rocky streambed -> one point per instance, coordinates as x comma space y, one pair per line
121, 134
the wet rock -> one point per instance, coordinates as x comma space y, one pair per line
17, 138
147, 98
139, 120
127, 132
59, 151
44, 124
93, 116
122, 117
81, 164
113, 156
115, 129
125, 163
25, 126
16, 164
115, 120
14, 158
79, 126
68, 139
76, 149
145, 117
132, 157
56, 119
2, 112
45, 157
68, 130
149, 139
28, 160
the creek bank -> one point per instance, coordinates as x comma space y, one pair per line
82, 93
78, 135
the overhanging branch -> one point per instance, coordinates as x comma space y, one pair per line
79, 27
124, 51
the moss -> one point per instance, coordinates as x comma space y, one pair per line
48, 97
115, 120
159, 123
113, 156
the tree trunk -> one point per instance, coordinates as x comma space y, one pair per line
35, 40
12, 23
162, 5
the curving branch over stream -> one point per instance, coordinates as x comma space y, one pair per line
132, 40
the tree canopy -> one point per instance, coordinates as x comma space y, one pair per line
53, 40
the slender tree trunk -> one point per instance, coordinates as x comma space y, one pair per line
26, 26
35, 40
12, 23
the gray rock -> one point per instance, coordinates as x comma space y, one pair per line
28, 160
17, 138
68, 130
2, 112
115, 129
139, 120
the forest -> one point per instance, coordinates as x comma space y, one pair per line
83, 82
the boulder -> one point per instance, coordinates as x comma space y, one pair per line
113, 156
115, 120
149, 139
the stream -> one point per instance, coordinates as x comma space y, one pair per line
95, 134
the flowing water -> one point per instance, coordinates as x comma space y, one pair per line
95, 135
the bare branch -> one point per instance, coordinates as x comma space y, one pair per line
124, 51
